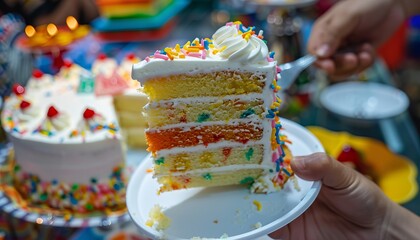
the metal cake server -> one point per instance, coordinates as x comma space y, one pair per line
290, 71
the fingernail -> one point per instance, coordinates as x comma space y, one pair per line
322, 51
299, 163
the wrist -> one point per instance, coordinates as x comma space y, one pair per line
400, 223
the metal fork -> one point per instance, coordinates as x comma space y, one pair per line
290, 71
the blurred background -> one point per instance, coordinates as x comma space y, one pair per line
82, 30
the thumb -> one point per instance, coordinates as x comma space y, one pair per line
330, 30
319, 166
344, 190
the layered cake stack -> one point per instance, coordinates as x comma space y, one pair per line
130, 20
213, 113
113, 78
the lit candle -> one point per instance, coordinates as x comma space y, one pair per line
72, 23
30, 31
52, 30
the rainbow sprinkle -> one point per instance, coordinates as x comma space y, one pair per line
74, 197
201, 48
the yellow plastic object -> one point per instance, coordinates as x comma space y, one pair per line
395, 174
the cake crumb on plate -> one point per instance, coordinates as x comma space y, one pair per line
157, 219
257, 225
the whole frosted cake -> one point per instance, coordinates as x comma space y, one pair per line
213, 112
68, 154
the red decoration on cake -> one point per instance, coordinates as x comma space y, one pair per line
131, 56
18, 89
109, 85
67, 63
37, 74
52, 112
102, 56
24, 105
88, 114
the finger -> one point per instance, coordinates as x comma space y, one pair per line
354, 59
346, 63
350, 61
342, 187
327, 65
319, 166
366, 55
330, 29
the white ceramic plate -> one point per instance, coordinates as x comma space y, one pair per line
361, 100
217, 211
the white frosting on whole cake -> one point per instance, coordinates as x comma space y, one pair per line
104, 65
53, 154
51, 139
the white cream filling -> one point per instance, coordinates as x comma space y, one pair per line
218, 169
192, 100
254, 120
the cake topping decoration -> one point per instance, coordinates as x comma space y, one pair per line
233, 42
55, 121
26, 112
52, 112
67, 63
24, 105
109, 85
131, 56
93, 122
102, 56
18, 89
86, 84
240, 44
37, 74
88, 114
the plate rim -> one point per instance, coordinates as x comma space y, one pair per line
302, 206
357, 85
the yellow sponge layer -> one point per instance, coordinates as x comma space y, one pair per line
130, 103
161, 114
204, 84
134, 137
219, 157
131, 119
247, 176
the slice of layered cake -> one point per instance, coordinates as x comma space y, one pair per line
213, 112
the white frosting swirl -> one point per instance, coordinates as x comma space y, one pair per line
237, 49
57, 123
38, 83
60, 122
28, 114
